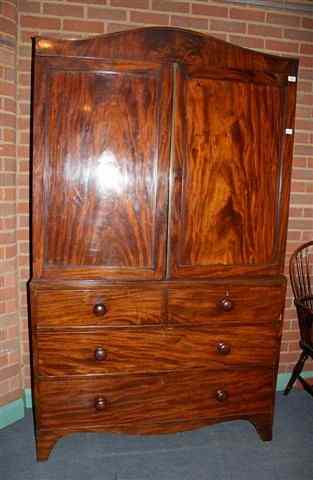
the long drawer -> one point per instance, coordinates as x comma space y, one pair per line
153, 350
98, 307
140, 403
225, 304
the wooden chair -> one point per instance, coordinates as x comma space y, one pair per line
301, 276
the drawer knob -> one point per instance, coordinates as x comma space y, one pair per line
100, 403
221, 395
226, 304
100, 354
223, 348
99, 309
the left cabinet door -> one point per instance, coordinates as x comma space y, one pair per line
100, 168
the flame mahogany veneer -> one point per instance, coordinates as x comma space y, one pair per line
161, 179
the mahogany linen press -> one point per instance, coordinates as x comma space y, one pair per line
160, 192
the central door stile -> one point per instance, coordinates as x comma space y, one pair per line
171, 177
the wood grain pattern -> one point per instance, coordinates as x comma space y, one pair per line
104, 189
161, 180
153, 350
169, 45
224, 173
46, 439
141, 403
252, 305
127, 305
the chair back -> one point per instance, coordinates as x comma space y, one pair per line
301, 274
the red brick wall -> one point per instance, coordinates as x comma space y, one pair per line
279, 32
10, 367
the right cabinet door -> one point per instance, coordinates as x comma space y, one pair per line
227, 168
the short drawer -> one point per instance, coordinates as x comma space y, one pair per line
244, 304
99, 307
143, 403
123, 351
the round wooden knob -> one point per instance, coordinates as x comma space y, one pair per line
100, 354
221, 395
99, 309
226, 304
100, 403
223, 348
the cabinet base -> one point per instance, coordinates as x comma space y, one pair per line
46, 439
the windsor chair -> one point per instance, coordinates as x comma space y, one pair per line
301, 276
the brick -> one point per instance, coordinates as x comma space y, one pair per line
134, 3
305, 86
264, 30
9, 372
119, 27
302, 35
98, 2
106, 14
9, 135
288, 357
297, 187
39, 23
29, 7
247, 14
9, 11
305, 99
281, 46
226, 26
7, 89
7, 56
306, 49
306, 62
301, 198
308, 23
306, 236
7, 238
247, 42
63, 10
306, 74
308, 212
295, 212
22, 208
10, 74
83, 26
23, 151
149, 18
299, 162
303, 174
25, 50
9, 104
7, 120
209, 10
280, 19
7, 150
169, 6
189, 22
7, 26
302, 137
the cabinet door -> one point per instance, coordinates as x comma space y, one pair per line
227, 168
100, 156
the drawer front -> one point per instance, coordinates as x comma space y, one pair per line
124, 351
140, 403
101, 307
244, 304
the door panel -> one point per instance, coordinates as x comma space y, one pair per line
225, 175
105, 193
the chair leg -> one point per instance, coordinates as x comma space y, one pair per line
306, 386
296, 372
